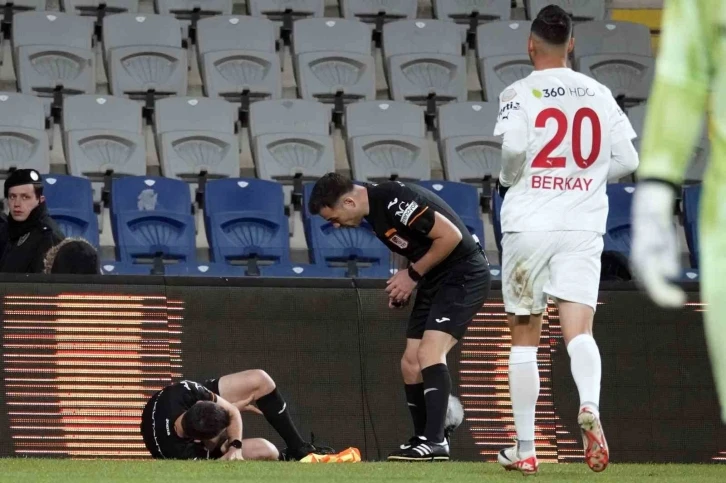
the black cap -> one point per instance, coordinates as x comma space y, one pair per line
20, 177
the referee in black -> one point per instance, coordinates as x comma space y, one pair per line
448, 268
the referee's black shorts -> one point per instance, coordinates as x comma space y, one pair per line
449, 301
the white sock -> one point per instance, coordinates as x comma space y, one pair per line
524, 391
586, 369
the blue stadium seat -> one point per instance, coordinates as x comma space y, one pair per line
151, 217
691, 208
328, 244
496, 272
124, 268
296, 270
245, 220
203, 270
464, 200
617, 232
689, 275
497, 219
70, 203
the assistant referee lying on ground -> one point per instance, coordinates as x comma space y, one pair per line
190, 421
451, 272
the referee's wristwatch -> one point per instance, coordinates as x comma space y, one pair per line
415, 276
236, 443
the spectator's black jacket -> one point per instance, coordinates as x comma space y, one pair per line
28, 241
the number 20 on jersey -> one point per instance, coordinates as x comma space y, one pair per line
544, 158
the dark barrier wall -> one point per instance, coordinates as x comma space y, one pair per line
80, 359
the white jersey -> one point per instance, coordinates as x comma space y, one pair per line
569, 121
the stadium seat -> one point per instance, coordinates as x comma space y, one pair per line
321, 271
464, 11
203, 270
496, 272
13, 7
189, 12
333, 60
370, 11
125, 268
501, 50
291, 140
144, 55
464, 200
497, 220
469, 150
617, 235
23, 138
423, 58
70, 203
579, 9
53, 51
91, 8
151, 219
238, 58
691, 210
103, 137
387, 140
618, 55
699, 160
286, 11
189, 9
354, 249
297, 270
245, 222
196, 138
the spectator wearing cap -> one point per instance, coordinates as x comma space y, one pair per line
31, 232
72, 256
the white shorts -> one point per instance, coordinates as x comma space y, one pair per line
562, 264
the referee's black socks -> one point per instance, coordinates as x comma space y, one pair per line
274, 408
437, 387
417, 405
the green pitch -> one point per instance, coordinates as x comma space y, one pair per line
65, 471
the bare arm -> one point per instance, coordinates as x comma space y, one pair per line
234, 430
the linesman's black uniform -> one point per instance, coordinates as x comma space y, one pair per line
450, 295
160, 414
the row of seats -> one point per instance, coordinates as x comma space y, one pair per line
332, 58
103, 136
289, 138
245, 224
617, 237
247, 228
460, 11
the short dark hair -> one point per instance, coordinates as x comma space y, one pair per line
38, 190
553, 25
205, 420
327, 191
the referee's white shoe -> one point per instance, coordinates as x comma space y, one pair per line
419, 448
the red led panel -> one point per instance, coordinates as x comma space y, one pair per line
484, 387
80, 367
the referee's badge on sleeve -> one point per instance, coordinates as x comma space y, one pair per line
399, 242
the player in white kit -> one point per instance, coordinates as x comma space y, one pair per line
564, 137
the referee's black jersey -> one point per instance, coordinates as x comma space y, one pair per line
160, 414
402, 216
